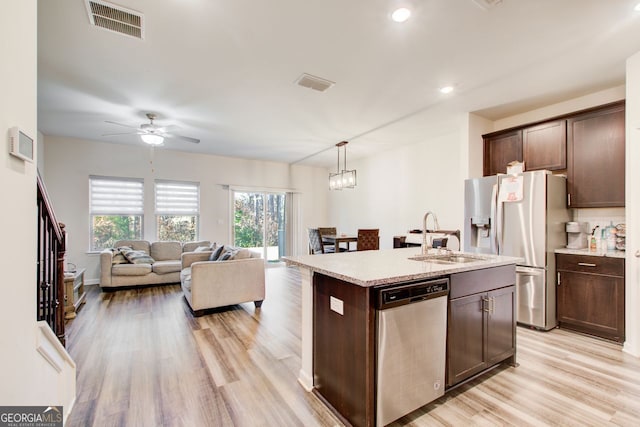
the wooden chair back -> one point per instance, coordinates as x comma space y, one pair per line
327, 231
368, 239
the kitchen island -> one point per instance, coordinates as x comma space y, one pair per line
339, 330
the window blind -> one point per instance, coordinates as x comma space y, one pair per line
177, 198
116, 196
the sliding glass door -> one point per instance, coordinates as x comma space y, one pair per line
259, 223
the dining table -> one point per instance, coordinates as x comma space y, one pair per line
336, 239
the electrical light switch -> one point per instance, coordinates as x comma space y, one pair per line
336, 305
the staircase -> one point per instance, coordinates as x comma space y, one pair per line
50, 276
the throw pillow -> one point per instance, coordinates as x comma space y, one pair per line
242, 254
227, 255
216, 253
118, 258
137, 257
202, 249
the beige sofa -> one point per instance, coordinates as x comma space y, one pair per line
166, 267
210, 284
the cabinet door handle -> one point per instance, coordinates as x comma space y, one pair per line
485, 304
586, 264
568, 199
558, 278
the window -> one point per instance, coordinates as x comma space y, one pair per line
259, 223
116, 209
177, 210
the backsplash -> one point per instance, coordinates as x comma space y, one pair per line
599, 216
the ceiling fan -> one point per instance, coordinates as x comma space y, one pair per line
151, 133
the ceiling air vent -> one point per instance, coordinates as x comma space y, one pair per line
115, 18
313, 82
487, 4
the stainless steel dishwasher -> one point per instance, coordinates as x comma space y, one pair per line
411, 347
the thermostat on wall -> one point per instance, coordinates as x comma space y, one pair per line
21, 144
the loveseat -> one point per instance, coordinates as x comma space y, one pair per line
222, 277
163, 267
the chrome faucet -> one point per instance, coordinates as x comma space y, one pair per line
426, 247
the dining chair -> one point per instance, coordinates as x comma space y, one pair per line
327, 231
315, 243
368, 239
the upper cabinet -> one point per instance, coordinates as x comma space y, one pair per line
587, 145
596, 170
545, 146
501, 149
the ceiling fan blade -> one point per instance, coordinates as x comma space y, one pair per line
182, 138
121, 133
120, 124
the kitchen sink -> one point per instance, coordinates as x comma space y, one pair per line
448, 258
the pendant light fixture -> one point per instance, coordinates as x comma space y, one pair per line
342, 178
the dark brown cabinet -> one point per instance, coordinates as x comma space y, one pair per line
596, 157
545, 146
590, 295
589, 145
501, 149
343, 348
481, 328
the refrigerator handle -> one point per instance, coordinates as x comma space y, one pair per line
527, 271
496, 214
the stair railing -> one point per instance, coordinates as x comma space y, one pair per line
50, 277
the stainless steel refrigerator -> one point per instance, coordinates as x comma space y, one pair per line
521, 215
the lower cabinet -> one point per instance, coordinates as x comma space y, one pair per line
344, 347
590, 295
481, 328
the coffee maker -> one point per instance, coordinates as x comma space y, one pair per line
577, 235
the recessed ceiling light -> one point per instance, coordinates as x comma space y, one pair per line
637, 8
446, 89
401, 14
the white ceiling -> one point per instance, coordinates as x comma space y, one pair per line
224, 71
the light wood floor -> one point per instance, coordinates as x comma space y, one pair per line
143, 360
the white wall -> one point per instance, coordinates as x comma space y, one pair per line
397, 187
69, 162
27, 379
632, 275
478, 126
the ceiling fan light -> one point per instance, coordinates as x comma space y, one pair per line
152, 139
401, 15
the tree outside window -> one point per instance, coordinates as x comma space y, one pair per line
180, 228
177, 210
116, 210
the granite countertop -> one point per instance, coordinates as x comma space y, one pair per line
586, 251
372, 268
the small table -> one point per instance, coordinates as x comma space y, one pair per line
336, 240
74, 294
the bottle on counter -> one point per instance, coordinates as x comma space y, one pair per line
593, 241
611, 237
